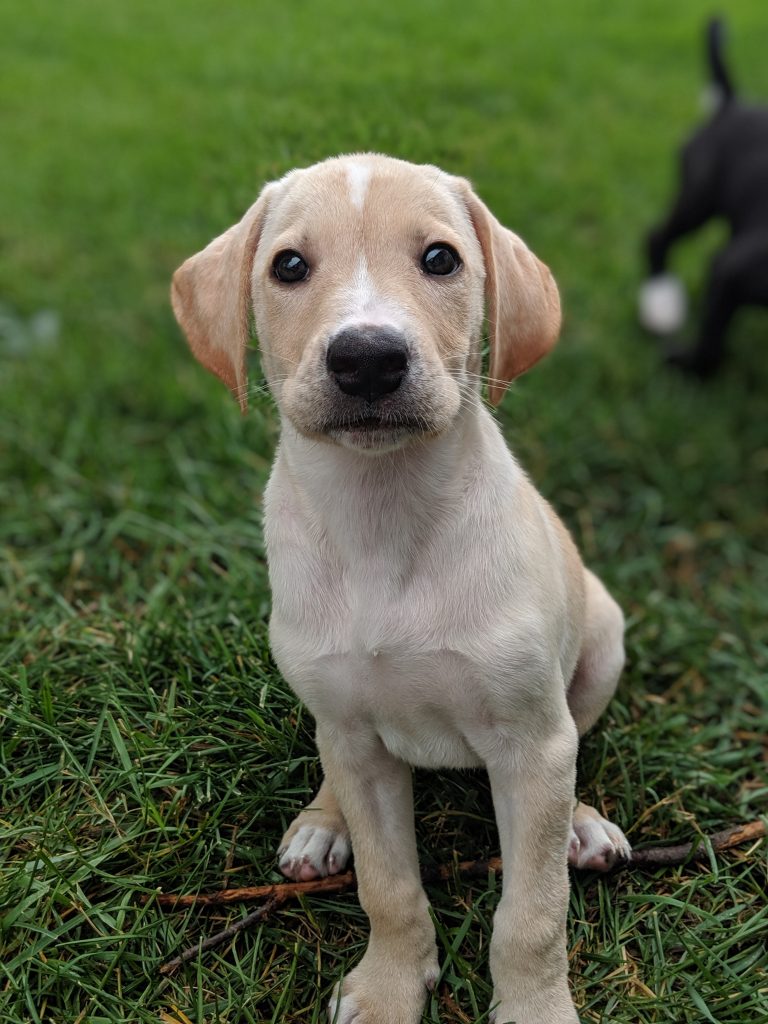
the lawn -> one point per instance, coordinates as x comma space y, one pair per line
148, 742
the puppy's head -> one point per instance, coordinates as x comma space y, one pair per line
367, 278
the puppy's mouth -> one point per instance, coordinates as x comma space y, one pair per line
375, 422
375, 431
417, 411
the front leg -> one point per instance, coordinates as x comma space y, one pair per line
532, 788
375, 793
662, 303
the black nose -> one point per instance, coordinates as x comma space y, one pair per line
368, 361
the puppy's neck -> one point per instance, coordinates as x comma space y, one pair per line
390, 503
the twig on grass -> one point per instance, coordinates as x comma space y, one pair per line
663, 856
215, 940
653, 856
281, 892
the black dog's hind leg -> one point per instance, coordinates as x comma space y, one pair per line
738, 276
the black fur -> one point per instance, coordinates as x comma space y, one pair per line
724, 173
720, 75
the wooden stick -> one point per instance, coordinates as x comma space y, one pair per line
655, 856
281, 892
661, 856
215, 940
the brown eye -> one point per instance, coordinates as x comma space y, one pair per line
440, 260
290, 267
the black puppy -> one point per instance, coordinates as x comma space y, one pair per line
724, 174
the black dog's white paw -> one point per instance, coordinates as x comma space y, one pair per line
662, 305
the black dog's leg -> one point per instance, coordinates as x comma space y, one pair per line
661, 300
704, 357
694, 203
738, 276
689, 212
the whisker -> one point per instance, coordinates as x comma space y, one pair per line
485, 379
280, 359
258, 387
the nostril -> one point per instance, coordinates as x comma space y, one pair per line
394, 362
368, 362
339, 362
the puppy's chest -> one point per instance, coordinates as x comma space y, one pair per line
371, 614
391, 652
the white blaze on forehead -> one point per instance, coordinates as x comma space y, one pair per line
362, 292
358, 174
362, 303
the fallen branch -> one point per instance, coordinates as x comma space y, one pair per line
663, 856
215, 940
280, 892
283, 891
656, 856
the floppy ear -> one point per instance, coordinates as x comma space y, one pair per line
211, 296
522, 298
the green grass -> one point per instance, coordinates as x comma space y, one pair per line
147, 741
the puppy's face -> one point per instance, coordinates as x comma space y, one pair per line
366, 278
367, 286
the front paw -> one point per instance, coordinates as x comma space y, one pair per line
546, 1009
312, 851
384, 989
596, 843
661, 304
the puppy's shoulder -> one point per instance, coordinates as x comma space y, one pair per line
573, 563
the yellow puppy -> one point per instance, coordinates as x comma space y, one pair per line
428, 606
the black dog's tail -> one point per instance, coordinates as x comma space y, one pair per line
722, 83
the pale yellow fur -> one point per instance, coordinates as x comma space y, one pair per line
428, 605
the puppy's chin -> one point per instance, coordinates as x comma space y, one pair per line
370, 435
375, 439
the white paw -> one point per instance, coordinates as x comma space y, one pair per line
314, 852
595, 842
367, 996
552, 1005
566, 1015
662, 304
342, 1011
